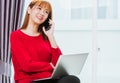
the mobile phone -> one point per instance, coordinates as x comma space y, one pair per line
46, 24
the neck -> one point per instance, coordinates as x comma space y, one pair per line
32, 29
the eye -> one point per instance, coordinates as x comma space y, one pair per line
46, 12
39, 8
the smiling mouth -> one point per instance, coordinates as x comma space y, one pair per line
40, 18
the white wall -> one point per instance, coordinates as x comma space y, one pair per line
109, 56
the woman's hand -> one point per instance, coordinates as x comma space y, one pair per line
50, 32
52, 65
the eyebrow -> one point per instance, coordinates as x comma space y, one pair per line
42, 7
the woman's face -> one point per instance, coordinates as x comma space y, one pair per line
38, 14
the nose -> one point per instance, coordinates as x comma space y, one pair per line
42, 12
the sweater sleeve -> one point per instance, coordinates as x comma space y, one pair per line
21, 56
56, 52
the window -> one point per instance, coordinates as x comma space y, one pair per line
78, 13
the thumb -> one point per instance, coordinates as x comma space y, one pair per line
43, 28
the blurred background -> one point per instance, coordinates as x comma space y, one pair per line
80, 26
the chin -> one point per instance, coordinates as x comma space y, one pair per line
38, 22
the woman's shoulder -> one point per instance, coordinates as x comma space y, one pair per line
15, 33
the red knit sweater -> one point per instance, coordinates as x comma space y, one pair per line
31, 56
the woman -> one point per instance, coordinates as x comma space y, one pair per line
33, 46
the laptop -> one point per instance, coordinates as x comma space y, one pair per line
71, 64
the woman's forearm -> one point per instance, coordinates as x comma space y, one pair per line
52, 41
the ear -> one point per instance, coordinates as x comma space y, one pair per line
29, 10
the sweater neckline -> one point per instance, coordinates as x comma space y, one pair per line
28, 35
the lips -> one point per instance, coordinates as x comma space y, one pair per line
40, 17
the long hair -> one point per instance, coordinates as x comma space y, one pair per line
41, 3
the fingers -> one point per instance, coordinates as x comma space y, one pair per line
43, 28
51, 30
51, 23
52, 65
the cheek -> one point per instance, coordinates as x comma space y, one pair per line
33, 14
45, 17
